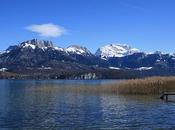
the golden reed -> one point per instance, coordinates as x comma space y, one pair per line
146, 86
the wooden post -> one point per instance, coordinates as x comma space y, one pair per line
162, 97
166, 97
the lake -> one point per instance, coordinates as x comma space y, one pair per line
22, 107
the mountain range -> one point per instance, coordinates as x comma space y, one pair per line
42, 59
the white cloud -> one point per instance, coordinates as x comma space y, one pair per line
47, 30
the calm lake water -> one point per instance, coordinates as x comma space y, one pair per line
24, 108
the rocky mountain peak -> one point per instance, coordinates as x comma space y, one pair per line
115, 50
75, 49
37, 43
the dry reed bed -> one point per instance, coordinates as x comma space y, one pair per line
151, 85
146, 86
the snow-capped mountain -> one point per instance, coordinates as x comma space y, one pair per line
43, 55
36, 52
115, 50
75, 49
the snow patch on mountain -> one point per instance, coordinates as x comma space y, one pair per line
114, 68
115, 50
3, 69
26, 45
144, 68
58, 49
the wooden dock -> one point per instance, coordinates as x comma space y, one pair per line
165, 95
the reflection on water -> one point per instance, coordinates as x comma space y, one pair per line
23, 108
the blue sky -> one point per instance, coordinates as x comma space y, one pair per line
145, 24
